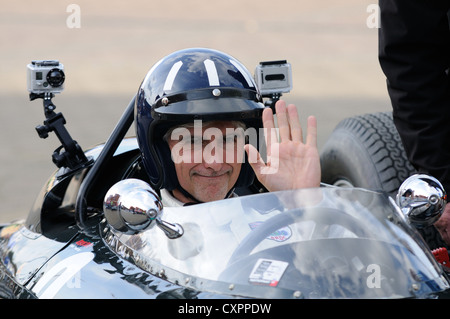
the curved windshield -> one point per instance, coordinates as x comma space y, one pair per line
311, 243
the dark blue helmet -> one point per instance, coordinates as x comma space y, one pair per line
187, 85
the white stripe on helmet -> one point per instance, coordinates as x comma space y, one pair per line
211, 71
171, 76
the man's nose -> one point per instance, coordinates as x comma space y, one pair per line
213, 158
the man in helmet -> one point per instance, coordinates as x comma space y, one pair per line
191, 93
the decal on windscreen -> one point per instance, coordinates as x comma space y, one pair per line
267, 272
279, 235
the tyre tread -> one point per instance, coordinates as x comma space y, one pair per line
379, 136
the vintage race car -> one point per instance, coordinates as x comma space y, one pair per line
98, 230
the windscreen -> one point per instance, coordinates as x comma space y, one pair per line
311, 243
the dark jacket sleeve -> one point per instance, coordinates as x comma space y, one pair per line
414, 54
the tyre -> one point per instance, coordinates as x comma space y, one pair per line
366, 151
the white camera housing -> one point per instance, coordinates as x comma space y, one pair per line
274, 77
45, 76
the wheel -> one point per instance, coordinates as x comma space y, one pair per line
366, 151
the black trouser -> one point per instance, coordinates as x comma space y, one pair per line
414, 53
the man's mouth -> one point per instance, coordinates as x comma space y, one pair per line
212, 175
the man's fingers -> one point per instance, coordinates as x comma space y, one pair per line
289, 127
254, 158
288, 122
267, 118
270, 136
283, 121
294, 123
311, 135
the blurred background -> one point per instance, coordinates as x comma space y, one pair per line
107, 47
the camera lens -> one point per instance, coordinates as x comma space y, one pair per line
55, 77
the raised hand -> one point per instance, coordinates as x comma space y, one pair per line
291, 164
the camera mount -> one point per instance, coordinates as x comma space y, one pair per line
72, 157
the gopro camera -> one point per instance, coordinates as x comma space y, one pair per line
273, 77
45, 76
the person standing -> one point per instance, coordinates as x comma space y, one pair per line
414, 54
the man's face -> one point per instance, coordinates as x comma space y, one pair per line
207, 159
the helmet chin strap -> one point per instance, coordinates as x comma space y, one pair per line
195, 200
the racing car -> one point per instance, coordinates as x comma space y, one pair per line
99, 230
